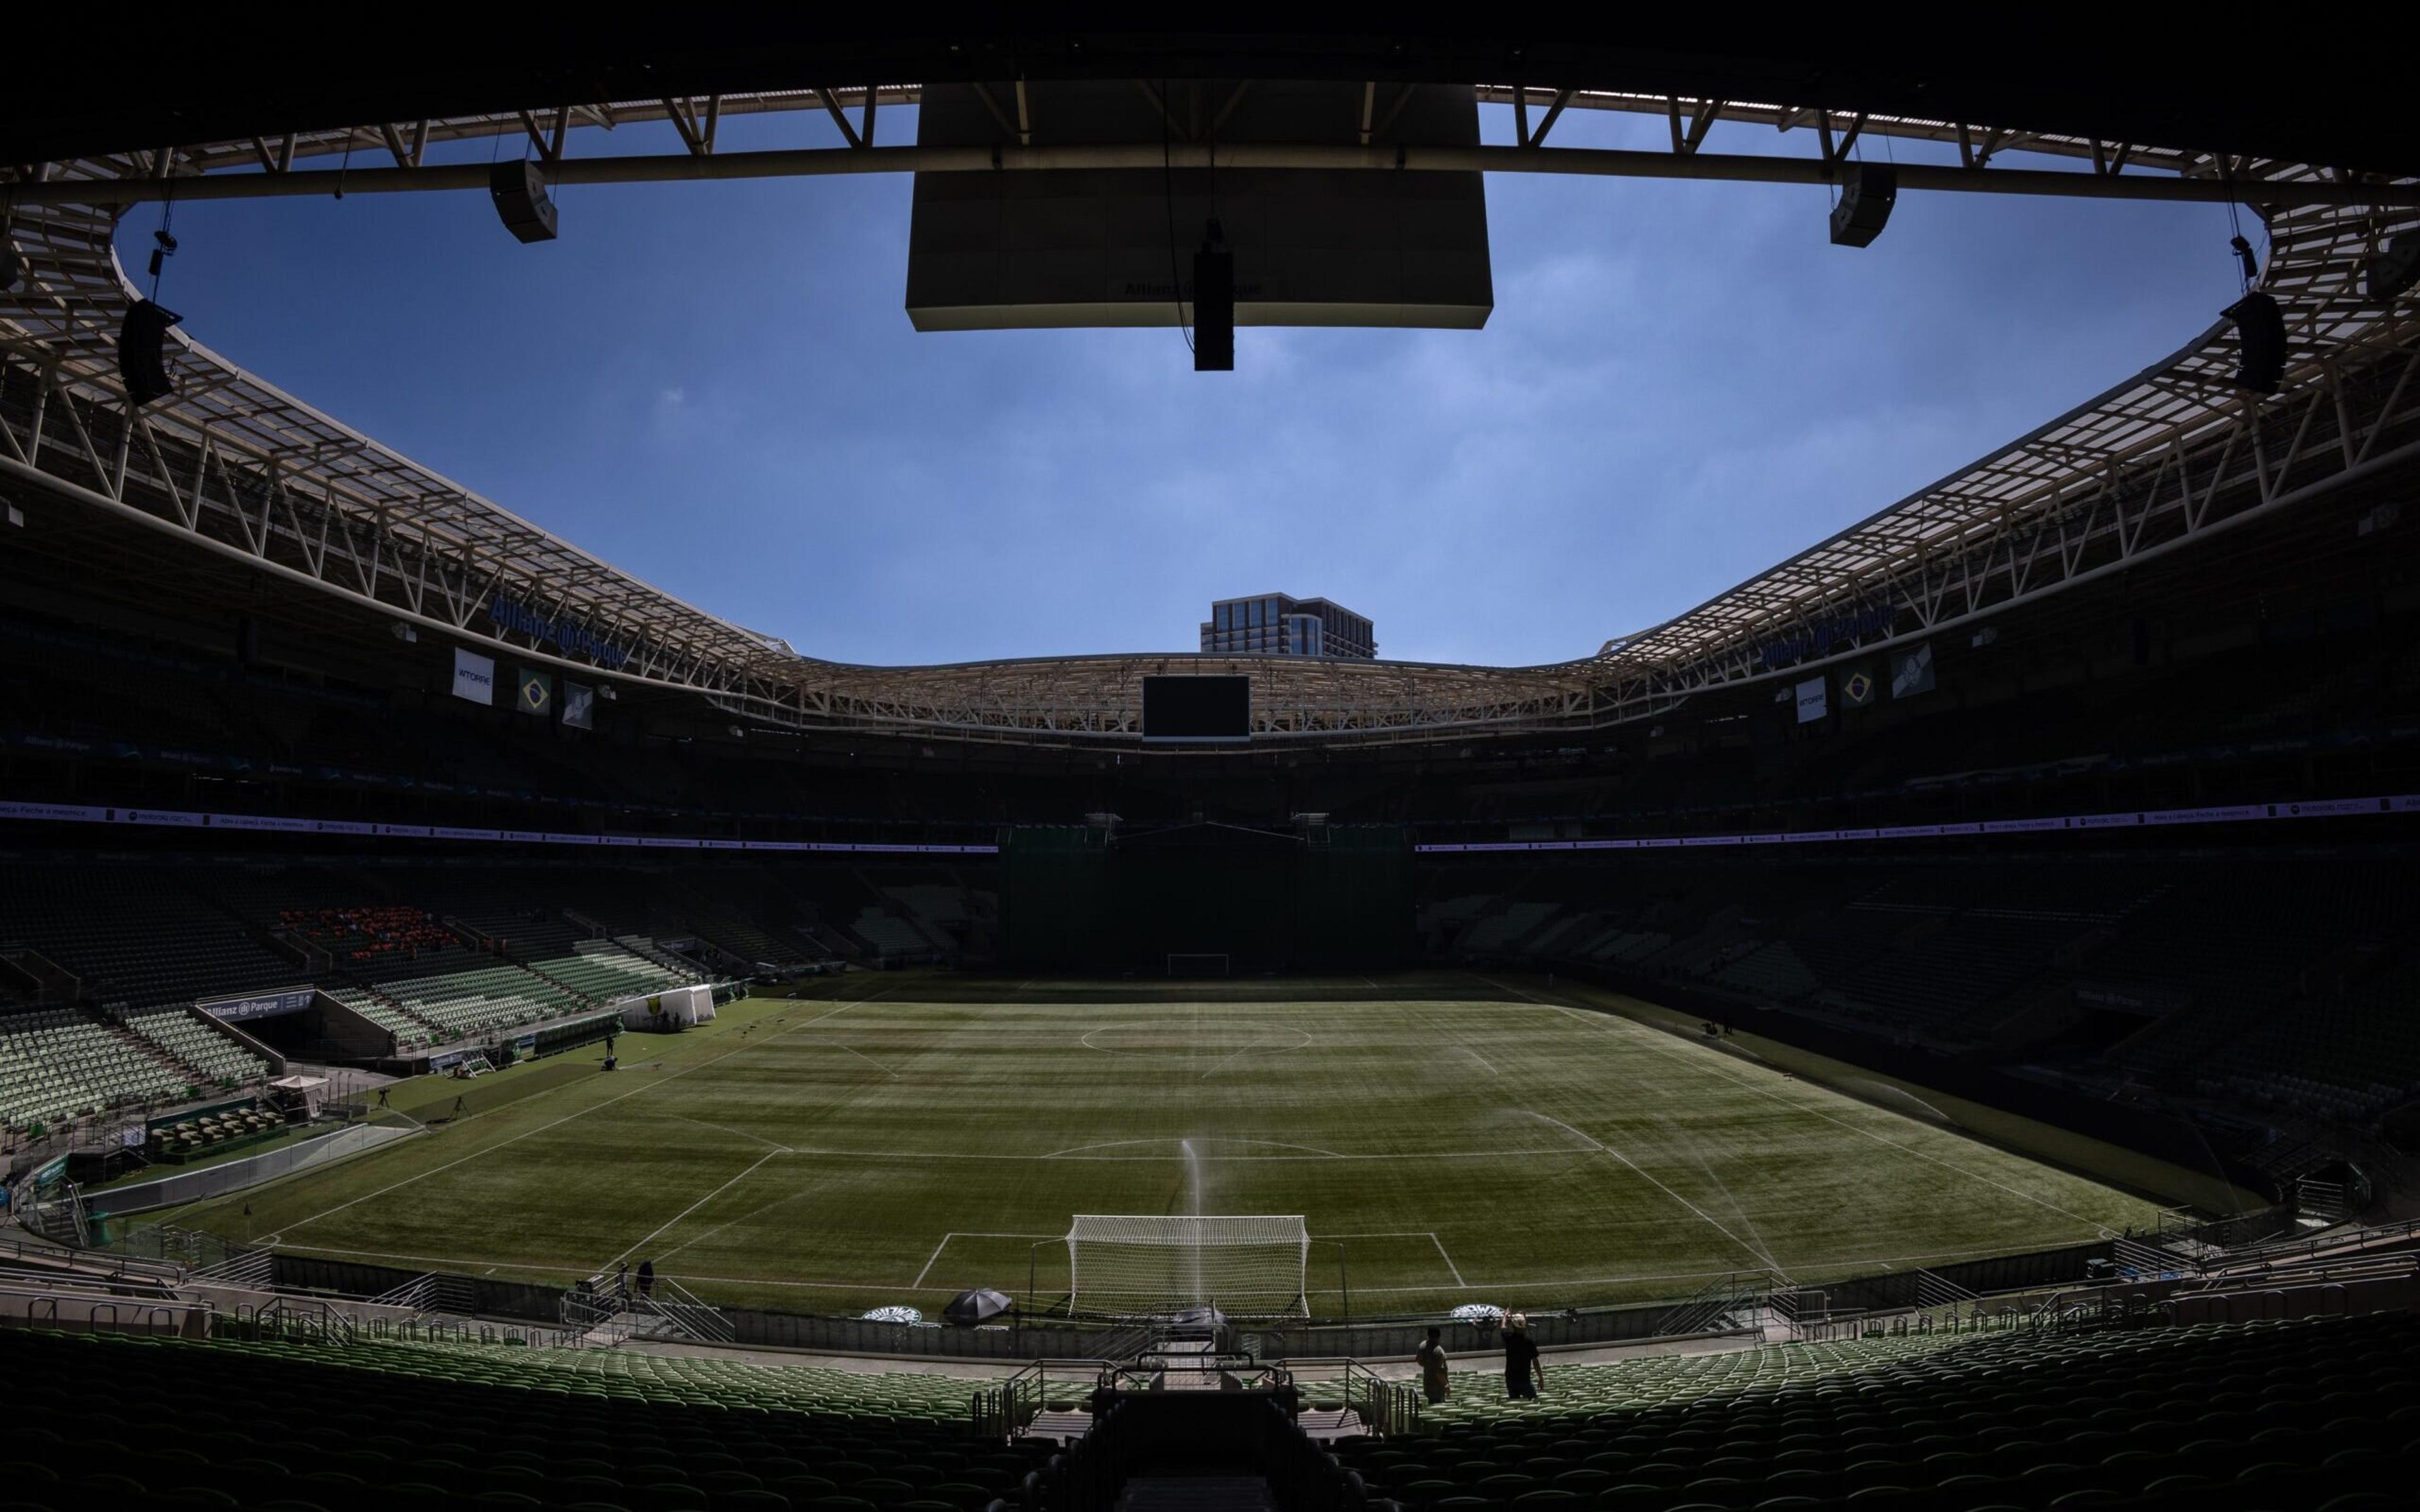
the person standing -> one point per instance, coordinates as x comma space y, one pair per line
1523, 1375
647, 1278
1430, 1355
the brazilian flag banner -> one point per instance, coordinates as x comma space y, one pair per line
1858, 688
537, 691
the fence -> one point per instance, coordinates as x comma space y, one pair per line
1003, 1411
82, 1312
236, 1175
478, 1295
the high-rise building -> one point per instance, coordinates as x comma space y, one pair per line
1276, 625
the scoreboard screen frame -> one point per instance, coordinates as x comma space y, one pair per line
1197, 708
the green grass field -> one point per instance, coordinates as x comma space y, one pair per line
895, 1139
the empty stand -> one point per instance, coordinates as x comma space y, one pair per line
2282, 1414
215, 1056
135, 936
57, 1064
448, 1424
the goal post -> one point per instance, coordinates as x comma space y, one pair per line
1197, 964
1151, 1265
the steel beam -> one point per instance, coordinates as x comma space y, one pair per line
861, 157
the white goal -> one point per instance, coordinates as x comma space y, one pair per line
1149, 1265
1197, 964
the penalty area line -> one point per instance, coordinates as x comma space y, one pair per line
1428, 1234
1448, 1260
935, 1258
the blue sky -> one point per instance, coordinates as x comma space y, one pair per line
715, 386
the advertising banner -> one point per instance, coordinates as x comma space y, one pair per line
474, 677
259, 1005
1812, 705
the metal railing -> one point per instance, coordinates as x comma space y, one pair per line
2310, 1246
1388, 1409
307, 1320
419, 1294
1004, 1410
1932, 1291
251, 1268
1717, 1304
70, 1310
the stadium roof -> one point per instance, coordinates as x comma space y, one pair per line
239, 468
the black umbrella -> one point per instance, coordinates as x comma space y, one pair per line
981, 1306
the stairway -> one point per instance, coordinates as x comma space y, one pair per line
160, 1054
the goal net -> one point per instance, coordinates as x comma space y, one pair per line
1151, 1265
1197, 965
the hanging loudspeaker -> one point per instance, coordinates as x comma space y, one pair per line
142, 362
2260, 334
1865, 206
1213, 305
2395, 268
518, 189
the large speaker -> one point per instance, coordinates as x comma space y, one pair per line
2260, 334
1213, 305
142, 361
518, 189
1865, 206
2395, 268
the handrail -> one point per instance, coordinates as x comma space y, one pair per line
419, 1294
1003, 1411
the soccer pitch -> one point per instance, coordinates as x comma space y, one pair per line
894, 1140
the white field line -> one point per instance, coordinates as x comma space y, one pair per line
1669, 1053
648, 1087
868, 1059
1481, 1059
1931, 1258
761, 1207
1428, 1234
1659, 1186
721, 1127
1254, 1049
1076, 1152
1566, 1152
935, 1258
771, 1154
